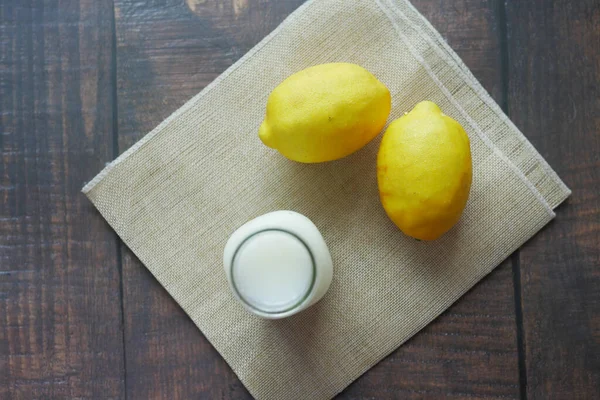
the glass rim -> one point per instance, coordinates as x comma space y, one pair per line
304, 297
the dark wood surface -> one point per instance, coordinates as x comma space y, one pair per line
554, 96
81, 81
60, 303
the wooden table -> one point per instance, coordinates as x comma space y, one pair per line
80, 317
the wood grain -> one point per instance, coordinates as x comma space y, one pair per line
60, 327
168, 52
63, 333
554, 75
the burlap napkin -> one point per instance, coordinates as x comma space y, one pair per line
177, 195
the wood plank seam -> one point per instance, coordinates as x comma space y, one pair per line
115, 145
515, 264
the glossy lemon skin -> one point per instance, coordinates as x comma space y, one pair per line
424, 172
325, 112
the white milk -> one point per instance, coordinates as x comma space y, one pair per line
278, 264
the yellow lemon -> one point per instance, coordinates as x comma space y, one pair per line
325, 112
424, 172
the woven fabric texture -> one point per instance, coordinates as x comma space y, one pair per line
176, 196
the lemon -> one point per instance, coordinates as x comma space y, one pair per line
424, 172
325, 112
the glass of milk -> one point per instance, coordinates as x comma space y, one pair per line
278, 264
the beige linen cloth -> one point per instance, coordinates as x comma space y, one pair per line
176, 196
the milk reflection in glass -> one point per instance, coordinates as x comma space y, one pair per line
278, 264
